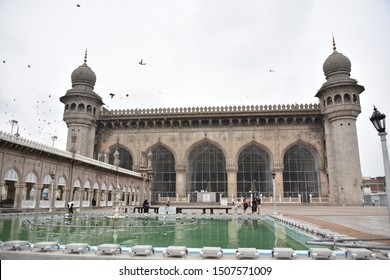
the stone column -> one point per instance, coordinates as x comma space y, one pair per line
279, 189
2, 183
232, 181
19, 187
53, 192
90, 196
37, 194
98, 197
181, 180
66, 194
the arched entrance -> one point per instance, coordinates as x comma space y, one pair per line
300, 176
164, 181
206, 172
254, 173
8, 191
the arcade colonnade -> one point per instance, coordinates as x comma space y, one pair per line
36, 176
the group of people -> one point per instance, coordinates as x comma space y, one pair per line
146, 206
253, 204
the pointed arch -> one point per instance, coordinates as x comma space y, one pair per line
11, 175
164, 171
87, 185
254, 176
31, 178
300, 173
47, 180
206, 168
196, 144
254, 142
62, 181
77, 183
125, 157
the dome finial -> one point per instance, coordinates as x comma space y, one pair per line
334, 43
85, 56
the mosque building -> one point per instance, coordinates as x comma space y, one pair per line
304, 153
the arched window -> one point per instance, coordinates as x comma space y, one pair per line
206, 169
163, 164
205, 123
347, 98
125, 159
215, 123
337, 99
81, 107
329, 100
254, 175
300, 173
225, 122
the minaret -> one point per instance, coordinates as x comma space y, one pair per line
82, 108
340, 104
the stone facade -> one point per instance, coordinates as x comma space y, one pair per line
39, 177
232, 129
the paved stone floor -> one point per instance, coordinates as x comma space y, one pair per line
352, 221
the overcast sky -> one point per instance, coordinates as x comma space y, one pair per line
197, 53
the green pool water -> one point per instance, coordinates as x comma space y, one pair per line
159, 231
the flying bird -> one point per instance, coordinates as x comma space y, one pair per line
3, 61
112, 95
127, 95
142, 62
78, 6
29, 66
272, 70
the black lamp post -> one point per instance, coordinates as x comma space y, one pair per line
379, 122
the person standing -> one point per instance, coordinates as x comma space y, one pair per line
246, 205
167, 207
145, 205
254, 206
258, 200
70, 207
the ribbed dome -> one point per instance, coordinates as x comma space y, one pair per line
83, 75
337, 63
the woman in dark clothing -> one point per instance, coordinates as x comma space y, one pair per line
145, 205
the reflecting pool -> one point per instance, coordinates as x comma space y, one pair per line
159, 231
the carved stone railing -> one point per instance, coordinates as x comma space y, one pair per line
211, 110
32, 144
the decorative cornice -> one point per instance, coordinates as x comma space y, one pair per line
215, 110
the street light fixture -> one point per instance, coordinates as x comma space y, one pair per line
13, 123
273, 191
53, 138
379, 121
